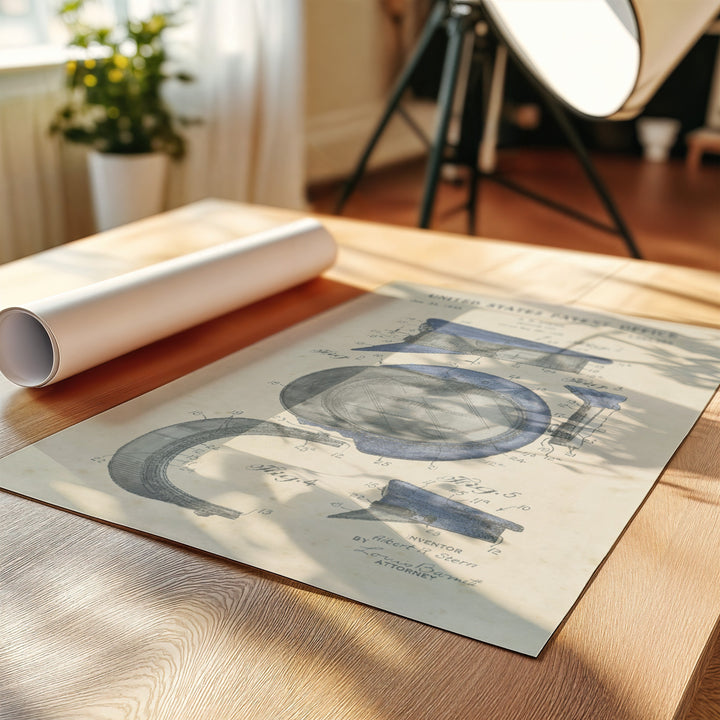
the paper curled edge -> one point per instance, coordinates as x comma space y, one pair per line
50, 339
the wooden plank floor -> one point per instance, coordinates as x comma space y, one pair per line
673, 213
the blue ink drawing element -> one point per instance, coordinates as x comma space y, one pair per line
141, 466
597, 398
596, 406
404, 502
443, 336
419, 412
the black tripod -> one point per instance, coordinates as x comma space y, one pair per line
460, 18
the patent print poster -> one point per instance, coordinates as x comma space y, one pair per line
462, 461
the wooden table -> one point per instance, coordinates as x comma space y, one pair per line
98, 622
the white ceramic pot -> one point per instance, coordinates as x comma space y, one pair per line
657, 135
126, 187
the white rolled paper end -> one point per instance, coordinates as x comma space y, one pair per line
50, 339
28, 351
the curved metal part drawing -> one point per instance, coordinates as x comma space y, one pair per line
404, 502
597, 398
141, 466
419, 412
443, 336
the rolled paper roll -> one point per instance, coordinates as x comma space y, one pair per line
53, 338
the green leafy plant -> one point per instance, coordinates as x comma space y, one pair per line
114, 86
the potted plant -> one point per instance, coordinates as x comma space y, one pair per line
115, 106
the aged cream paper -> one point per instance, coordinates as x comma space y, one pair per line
459, 460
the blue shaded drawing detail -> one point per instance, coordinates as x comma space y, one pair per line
140, 466
443, 336
419, 412
597, 398
596, 406
403, 502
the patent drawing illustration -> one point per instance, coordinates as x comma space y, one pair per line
411, 412
404, 502
503, 449
419, 412
443, 336
469, 473
596, 406
141, 466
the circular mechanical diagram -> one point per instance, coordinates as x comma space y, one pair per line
420, 412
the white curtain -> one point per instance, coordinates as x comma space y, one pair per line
248, 60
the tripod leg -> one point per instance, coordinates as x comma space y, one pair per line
434, 21
456, 28
473, 192
463, 85
493, 110
482, 128
577, 145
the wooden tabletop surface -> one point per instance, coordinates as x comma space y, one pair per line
99, 622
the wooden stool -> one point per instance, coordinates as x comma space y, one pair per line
701, 141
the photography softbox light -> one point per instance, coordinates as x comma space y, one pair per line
602, 58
